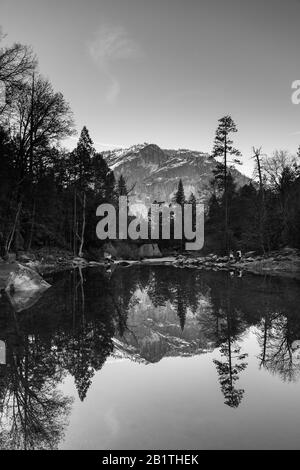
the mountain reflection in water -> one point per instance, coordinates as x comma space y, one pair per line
142, 314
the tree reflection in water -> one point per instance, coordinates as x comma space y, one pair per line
147, 311
279, 331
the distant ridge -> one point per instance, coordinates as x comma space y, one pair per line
156, 172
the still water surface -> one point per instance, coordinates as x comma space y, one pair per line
152, 357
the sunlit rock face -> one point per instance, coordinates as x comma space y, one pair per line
155, 332
155, 173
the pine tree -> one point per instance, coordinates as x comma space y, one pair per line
193, 202
103, 180
192, 199
223, 148
82, 160
179, 197
82, 172
121, 186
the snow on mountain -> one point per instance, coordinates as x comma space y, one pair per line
155, 172
154, 332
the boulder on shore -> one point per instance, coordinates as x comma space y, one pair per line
24, 279
23, 300
79, 262
24, 287
150, 250
110, 249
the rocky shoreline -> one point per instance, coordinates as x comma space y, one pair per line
285, 262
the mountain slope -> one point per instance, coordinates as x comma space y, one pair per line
154, 332
155, 173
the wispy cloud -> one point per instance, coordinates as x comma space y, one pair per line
110, 44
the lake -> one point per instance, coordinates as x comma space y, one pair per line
152, 357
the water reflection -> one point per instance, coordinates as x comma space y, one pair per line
144, 314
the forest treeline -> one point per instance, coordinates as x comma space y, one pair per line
49, 195
261, 216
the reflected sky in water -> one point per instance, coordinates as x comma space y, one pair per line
152, 357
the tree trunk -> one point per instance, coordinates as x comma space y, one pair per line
12, 234
31, 130
262, 199
32, 227
80, 254
226, 197
75, 223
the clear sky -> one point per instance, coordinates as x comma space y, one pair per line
164, 71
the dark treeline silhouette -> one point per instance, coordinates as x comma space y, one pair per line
48, 196
68, 331
260, 216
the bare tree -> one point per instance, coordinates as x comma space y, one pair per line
41, 118
275, 166
275, 337
258, 156
17, 63
281, 170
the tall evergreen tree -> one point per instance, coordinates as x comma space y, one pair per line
121, 187
192, 200
82, 160
223, 148
179, 197
82, 171
103, 180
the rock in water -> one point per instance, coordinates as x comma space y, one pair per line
25, 279
23, 300
25, 287
80, 262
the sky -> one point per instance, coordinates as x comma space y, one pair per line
165, 71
